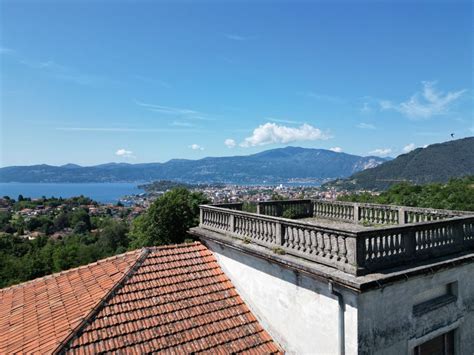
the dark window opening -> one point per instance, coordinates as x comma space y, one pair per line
441, 345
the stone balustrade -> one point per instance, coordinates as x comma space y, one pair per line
295, 208
354, 251
231, 205
366, 213
321, 244
391, 246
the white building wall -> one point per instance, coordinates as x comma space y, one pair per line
387, 324
298, 311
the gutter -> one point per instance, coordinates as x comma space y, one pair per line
341, 323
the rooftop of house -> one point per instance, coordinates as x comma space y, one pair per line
173, 298
355, 242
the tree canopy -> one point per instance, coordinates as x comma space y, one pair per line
168, 219
457, 194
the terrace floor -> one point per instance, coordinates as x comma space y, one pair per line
340, 225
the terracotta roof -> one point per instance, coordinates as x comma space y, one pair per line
174, 299
37, 315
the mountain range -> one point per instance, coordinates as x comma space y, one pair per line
271, 166
435, 163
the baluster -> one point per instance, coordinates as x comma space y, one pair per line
319, 243
327, 244
343, 250
313, 242
335, 244
368, 245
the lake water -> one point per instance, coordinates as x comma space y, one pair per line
102, 192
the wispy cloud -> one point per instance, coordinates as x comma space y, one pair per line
408, 148
121, 129
425, 104
381, 151
271, 133
366, 108
152, 81
6, 50
323, 97
123, 153
176, 111
65, 73
181, 124
195, 147
279, 120
364, 125
238, 37
230, 143
336, 149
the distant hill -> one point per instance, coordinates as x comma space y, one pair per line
435, 163
273, 166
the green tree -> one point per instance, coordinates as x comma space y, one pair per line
80, 215
80, 228
168, 219
61, 221
113, 236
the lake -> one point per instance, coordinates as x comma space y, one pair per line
101, 192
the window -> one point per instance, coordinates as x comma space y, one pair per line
435, 297
441, 345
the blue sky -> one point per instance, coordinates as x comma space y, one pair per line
98, 81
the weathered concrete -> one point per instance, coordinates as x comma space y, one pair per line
291, 298
387, 324
352, 248
299, 311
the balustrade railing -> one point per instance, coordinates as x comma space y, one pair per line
231, 205
344, 211
383, 247
290, 208
324, 245
355, 252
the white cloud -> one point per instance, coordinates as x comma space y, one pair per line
408, 148
176, 111
230, 143
66, 73
381, 151
196, 147
279, 120
271, 133
236, 37
366, 108
323, 97
122, 129
336, 149
425, 104
365, 125
6, 50
181, 124
123, 153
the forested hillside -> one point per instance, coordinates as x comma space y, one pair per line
435, 163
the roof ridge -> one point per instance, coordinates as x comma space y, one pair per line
62, 347
174, 246
63, 272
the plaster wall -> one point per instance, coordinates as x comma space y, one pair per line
387, 324
297, 310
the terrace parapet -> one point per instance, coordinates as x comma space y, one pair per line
369, 237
